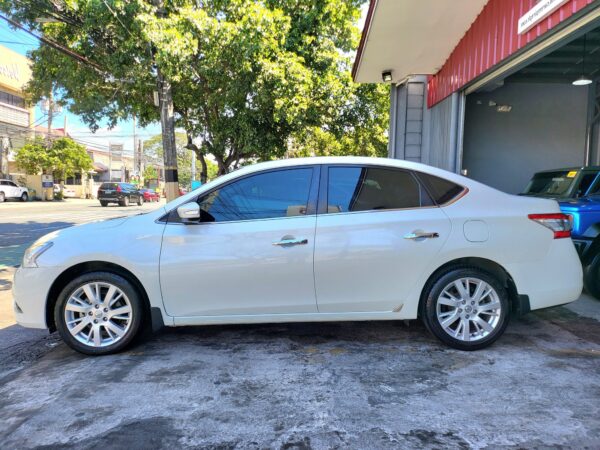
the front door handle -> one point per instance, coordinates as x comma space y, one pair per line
291, 241
421, 235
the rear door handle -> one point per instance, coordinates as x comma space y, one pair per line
421, 235
290, 242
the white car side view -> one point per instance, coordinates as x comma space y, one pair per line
315, 239
9, 189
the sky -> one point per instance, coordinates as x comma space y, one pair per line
122, 133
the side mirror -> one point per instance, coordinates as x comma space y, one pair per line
189, 211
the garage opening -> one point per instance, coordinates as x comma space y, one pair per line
536, 118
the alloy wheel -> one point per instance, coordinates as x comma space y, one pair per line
98, 314
468, 309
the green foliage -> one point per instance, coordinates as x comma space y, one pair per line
252, 80
150, 173
63, 158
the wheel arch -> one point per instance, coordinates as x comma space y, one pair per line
519, 304
94, 266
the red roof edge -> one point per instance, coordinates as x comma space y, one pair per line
363, 38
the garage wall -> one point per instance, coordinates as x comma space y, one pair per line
544, 130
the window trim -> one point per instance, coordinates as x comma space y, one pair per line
324, 191
171, 218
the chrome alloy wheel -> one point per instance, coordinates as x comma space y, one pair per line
98, 314
468, 309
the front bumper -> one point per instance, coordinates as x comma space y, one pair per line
30, 294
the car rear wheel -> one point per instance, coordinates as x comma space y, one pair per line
24, 197
591, 277
98, 313
103, 203
125, 201
466, 308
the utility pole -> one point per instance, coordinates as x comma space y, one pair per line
167, 122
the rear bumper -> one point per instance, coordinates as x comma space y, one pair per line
554, 280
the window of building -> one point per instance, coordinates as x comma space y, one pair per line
11, 99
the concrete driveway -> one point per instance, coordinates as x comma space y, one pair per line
330, 385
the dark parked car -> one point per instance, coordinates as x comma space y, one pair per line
560, 184
121, 193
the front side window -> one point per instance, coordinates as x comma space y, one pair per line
282, 193
371, 188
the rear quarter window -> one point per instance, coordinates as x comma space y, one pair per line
442, 191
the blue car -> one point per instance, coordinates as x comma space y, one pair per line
578, 192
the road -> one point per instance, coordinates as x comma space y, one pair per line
22, 223
296, 386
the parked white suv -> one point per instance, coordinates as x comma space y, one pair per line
9, 189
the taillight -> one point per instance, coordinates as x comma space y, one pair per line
557, 222
119, 188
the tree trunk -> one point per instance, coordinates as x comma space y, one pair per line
204, 172
167, 121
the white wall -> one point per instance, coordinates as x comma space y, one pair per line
544, 130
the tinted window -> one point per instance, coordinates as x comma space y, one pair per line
586, 182
442, 190
10, 183
551, 184
282, 193
371, 188
108, 186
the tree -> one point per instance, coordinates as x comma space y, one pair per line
64, 158
250, 80
150, 173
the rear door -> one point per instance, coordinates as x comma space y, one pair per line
377, 232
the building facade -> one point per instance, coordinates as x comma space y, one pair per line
493, 89
16, 117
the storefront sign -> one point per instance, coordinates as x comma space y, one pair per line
14, 70
538, 13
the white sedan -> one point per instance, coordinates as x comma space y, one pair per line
317, 239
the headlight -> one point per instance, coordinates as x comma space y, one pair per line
34, 252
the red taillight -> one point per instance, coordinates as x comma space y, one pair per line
119, 188
558, 223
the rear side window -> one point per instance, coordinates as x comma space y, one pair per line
442, 190
371, 188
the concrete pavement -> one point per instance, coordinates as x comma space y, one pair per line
303, 386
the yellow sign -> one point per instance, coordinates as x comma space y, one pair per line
572, 174
14, 70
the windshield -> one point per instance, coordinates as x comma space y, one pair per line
551, 184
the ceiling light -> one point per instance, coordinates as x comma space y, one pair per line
386, 76
582, 81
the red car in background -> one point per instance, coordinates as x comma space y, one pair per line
150, 195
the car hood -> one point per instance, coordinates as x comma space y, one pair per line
580, 205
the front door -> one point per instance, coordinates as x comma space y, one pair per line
251, 252
378, 233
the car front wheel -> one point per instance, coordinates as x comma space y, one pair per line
98, 313
24, 197
2, 197
466, 308
140, 201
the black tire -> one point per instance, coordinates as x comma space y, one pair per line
103, 203
431, 297
140, 201
124, 202
591, 277
2, 197
24, 197
121, 283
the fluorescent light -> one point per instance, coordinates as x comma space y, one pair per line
582, 81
